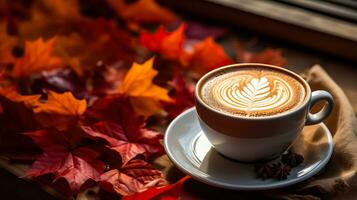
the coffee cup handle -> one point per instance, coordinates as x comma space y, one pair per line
324, 112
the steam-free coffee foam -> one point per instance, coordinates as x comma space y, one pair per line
253, 91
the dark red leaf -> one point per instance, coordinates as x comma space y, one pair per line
135, 176
182, 95
127, 145
171, 192
75, 165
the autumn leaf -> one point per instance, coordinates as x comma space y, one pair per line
122, 129
208, 55
267, 56
7, 43
182, 95
49, 18
30, 101
135, 176
128, 141
170, 192
17, 110
153, 41
56, 9
169, 45
96, 41
142, 11
76, 165
37, 57
60, 111
144, 94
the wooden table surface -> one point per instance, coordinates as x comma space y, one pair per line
299, 58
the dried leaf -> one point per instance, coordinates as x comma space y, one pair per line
60, 111
127, 144
96, 41
182, 96
17, 110
7, 43
145, 95
267, 56
38, 57
51, 17
208, 55
135, 176
170, 192
142, 11
123, 127
75, 165
169, 45
30, 101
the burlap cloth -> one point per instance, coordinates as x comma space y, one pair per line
338, 180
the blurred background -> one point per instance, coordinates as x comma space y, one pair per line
307, 32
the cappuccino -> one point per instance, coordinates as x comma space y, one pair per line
252, 91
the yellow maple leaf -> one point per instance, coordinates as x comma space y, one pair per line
60, 111
37, 57
144, 95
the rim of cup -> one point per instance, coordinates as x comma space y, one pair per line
275, 116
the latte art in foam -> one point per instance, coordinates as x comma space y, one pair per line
253, 92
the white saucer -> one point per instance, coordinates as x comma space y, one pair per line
189, 149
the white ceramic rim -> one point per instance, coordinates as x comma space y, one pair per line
221, 184
280, 115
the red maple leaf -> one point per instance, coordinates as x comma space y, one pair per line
122, 129
17, 111
127, 144
182, 94
135, 176
170, 192
153, 41
168, 44
62, 158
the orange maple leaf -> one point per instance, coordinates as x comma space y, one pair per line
142, 11
169, 45
37, 57
208, 55
51, 17
267, 56
144, 95
60, 111
30, 101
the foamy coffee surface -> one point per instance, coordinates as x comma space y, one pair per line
251, 91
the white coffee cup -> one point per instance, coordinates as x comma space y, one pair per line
253, 139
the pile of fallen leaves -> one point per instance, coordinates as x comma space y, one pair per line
84, 83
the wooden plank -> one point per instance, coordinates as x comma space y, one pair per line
19, 170
328, 8
279, 21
